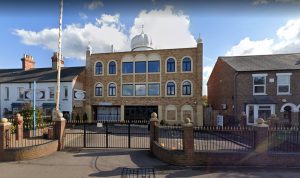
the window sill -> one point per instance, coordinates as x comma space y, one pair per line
279, 94
259, 94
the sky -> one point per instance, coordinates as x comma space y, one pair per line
227, 28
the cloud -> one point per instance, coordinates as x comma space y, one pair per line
206, 73
167, 28
76, 37
82, 15
94, 4
263, 2
287, 41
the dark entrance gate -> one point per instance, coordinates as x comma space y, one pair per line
106, 134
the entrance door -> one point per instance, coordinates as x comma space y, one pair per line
108, 113
139, 112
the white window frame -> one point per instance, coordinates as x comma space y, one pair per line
102, 68
19, 93
50, 93
265, 85
66, 91
255, 110
289, 84
6, 93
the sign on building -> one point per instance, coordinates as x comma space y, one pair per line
79, 94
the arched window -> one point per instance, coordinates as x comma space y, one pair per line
186, 88
112, 89
98, 89
170, 65
112, 67
186, 64
98, 68
170, 88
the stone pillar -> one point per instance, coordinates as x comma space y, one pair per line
160, 112
4, 133
153, 129
188, 139
199, 117
60, 124
261, 137
122, 112
19, 127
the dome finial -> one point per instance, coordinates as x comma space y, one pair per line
89, 47
199, 39
142, 28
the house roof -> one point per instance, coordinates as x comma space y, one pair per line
263, 62
38, 75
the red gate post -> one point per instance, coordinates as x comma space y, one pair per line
261, 137
19, 129
188, 140
60, 124
4, 133
153, 130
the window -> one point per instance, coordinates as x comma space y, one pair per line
186, 88
21, 92
259, 84
112, 89
98, 68
140, 67
186, 64
65, 92
6, 93
170, 65
140, 90
127, 90
51, 92
127, 67
255, 111
112, 68
98, 89
153, 89
283, 83
170, 88
153, 66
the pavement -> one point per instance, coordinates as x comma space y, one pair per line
89, 163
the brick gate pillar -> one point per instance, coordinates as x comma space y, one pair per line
60, 124
261, 137
188, 139
19, 127
153, 130
4, 133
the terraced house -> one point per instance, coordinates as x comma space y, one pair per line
258, 85
133, 84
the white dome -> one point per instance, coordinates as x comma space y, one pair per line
141, 42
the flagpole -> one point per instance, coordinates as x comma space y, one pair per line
59, 55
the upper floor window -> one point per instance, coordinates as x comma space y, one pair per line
153, 66
98, 89
140, 67
6, 93
153, 89
170, 65
127, 67
170, 88
140, 90
186, 88
65, 92
186, 64
127, 90
21, 92
98, 68
112, 68
112, 89
283, 83
51, 92
259, 84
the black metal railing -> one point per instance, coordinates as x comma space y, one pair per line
284, 139
170, 137
32, 135
108, 134
224, 139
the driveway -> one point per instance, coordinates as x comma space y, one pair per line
109, 163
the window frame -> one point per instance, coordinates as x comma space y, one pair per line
167, 65
108, 67
159, 90
133, 91
100, 89
259, 85
6, 93
66, 92
123, 72
101, 69
190, 87
20, 93
182, 64
51, 88
167, 89
278, 85
148, 66
114, 89
140, 62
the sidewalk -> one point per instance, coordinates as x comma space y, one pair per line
109, 163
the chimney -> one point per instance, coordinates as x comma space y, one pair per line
27, 62
55, 60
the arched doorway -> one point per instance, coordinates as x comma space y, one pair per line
287, 115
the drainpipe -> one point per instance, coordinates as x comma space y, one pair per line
235, 94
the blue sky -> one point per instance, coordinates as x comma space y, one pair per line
226, 27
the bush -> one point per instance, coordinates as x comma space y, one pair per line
27, 113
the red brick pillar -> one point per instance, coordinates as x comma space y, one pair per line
4, 133
153, 130
60, 124
188, 141
19, 127
261, 137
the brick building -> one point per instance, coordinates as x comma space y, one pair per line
132, 84
258, 85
